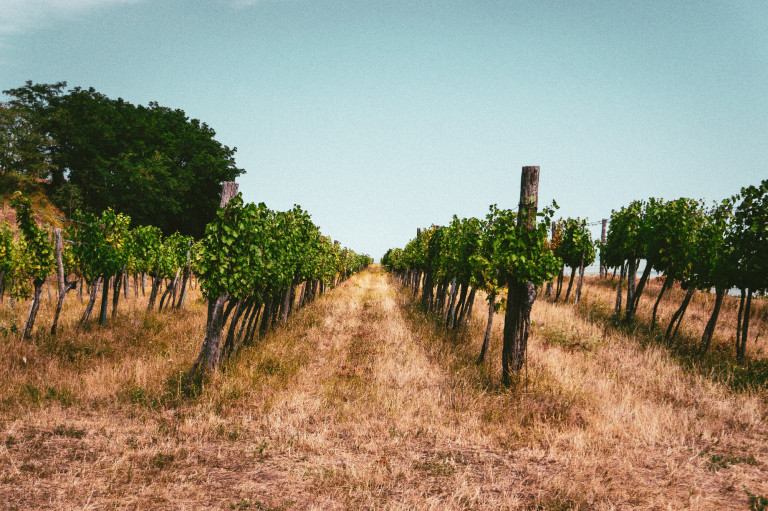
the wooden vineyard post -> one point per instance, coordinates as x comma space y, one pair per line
417, 272
228, 191
185, 278
64, 285
210, 352
521, 294
549, 289
603, 270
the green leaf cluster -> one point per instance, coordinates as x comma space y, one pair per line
485, 253
249, 250
37, 250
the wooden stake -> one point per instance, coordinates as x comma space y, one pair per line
521, 295
603, 270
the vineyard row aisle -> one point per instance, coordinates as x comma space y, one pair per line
393, 414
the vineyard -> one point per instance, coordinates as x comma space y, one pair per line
263, 366
250, 264
689, 245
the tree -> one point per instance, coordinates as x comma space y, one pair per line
23, 149
98, 252
151, 162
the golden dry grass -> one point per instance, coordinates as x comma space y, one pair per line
363, 402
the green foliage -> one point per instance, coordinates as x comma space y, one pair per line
99, 243
14, 262
749, 238
717, 462
250, 250
7, 248
523, 254
622, 239
575, 245
150, 162
723, 246
714, 262
37, 260
23, 149
756, 502
485, 253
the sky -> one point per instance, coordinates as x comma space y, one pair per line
380, 116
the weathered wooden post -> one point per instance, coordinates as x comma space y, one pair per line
549, 292
521, 295
417, 271
185, 279
64, 285
228, 191
603, 270
210, 352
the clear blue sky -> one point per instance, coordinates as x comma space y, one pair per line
382, 116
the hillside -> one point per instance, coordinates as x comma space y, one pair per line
45, 212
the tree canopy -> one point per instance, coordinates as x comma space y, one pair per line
152, 163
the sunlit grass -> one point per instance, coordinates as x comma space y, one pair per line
363, 401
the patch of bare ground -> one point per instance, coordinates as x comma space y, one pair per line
364, 402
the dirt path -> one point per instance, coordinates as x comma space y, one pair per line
375, 421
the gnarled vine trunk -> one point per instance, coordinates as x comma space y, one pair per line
570, 284
64, 285
664, 287
488, 328
210, 353
83, 323
679, 313
33, 308
709, 330
742, 330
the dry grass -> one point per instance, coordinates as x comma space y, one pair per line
719, 362
363, 402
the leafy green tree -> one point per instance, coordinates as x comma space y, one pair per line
682, 221
527, 262
23, 149
622, 248
150, 162
487, 269
668, 237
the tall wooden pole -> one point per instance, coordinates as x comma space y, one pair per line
603, 270
228, 191
210, 352
521, 295
64, 285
